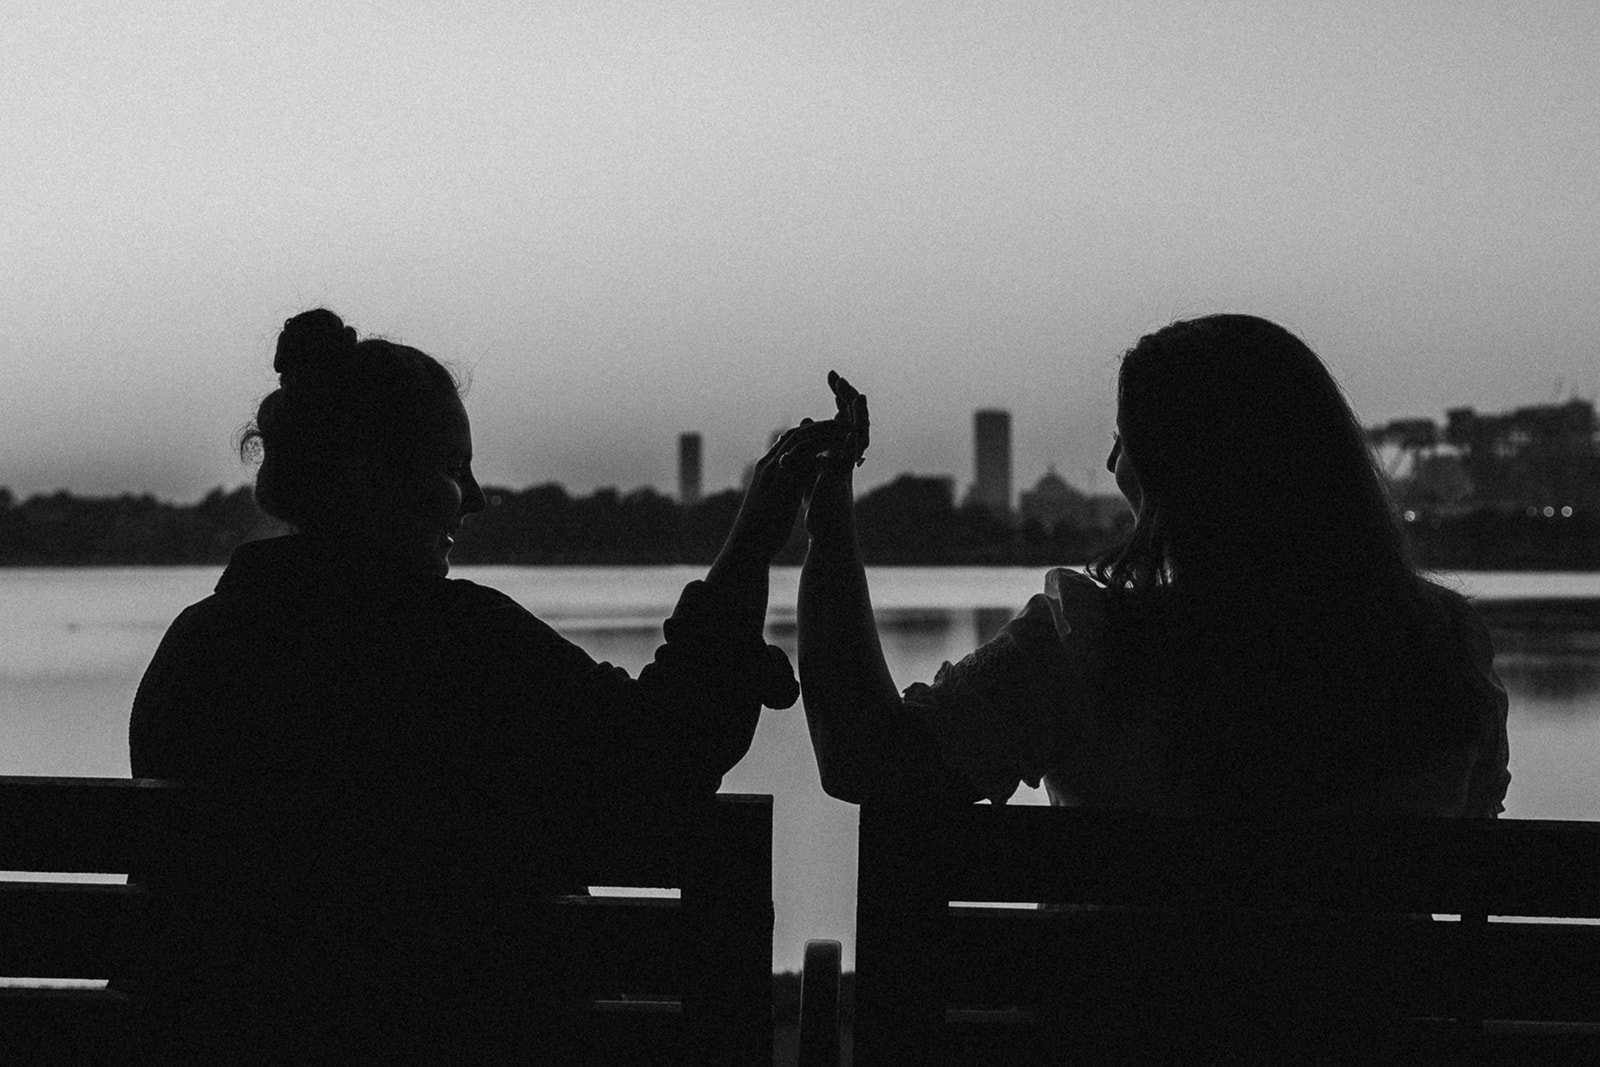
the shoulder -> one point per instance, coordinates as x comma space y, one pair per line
481, 606
1065, 622
208, 619
1065, 583
500, 634
463, 594
1449, 601
1460, 620
1079, 599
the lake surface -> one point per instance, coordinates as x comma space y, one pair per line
74, 643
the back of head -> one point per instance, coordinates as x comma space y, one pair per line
342, 403
1252, 462
1266, 576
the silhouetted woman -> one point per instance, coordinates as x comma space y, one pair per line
1261, 638
409, 761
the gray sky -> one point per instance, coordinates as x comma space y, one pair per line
627, 220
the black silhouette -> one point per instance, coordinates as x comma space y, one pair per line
1261, 638
409, 761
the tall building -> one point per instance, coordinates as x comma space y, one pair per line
688, 469
991, 449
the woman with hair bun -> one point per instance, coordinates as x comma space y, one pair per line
1261, 640
405, 761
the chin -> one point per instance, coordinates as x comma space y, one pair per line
440, 563
437, 552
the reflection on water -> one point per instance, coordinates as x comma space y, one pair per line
1553, 672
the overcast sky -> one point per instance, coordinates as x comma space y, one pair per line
627, 220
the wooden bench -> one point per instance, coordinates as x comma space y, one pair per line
1290, 940
685, 980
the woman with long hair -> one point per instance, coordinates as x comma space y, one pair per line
1261, 638
401, 764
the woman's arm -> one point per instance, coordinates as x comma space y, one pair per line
867, 742
850, 695
692, 712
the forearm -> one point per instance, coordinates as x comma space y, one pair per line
740, 576
704, 688
850, 696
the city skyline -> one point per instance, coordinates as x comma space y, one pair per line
623, 221
1398, 442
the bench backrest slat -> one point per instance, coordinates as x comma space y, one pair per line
1008, 956
100, 825
80, 825
1526, 867
64, 930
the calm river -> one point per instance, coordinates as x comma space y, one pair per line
73, 644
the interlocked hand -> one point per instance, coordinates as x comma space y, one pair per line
781, 479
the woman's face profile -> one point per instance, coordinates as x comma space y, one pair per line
421, 504
1127, 478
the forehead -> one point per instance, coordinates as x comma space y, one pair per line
445, 426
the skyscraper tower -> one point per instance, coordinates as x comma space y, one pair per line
688, 469
991, 449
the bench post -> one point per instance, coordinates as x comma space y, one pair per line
899, 1008
727, 903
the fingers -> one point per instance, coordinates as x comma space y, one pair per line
806, 443
852, 405
787, 436
861, 424
808, 430
844, 393
841, 388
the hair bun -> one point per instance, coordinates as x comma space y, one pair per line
312, 342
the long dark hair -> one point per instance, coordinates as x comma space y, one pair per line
1267, 588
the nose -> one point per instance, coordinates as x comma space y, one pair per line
472, 501
1111, 460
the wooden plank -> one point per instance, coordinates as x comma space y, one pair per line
99, 825
1525, 867
986, 1038
84, 1028
80, 825
635, 944
77, 1027
1540, 972
74, 930
1287, 965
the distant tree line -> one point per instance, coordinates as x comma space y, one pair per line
911, 520
60, 529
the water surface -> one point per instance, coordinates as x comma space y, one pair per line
73, 644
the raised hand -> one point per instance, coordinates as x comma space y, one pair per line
830, 501
852, 413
